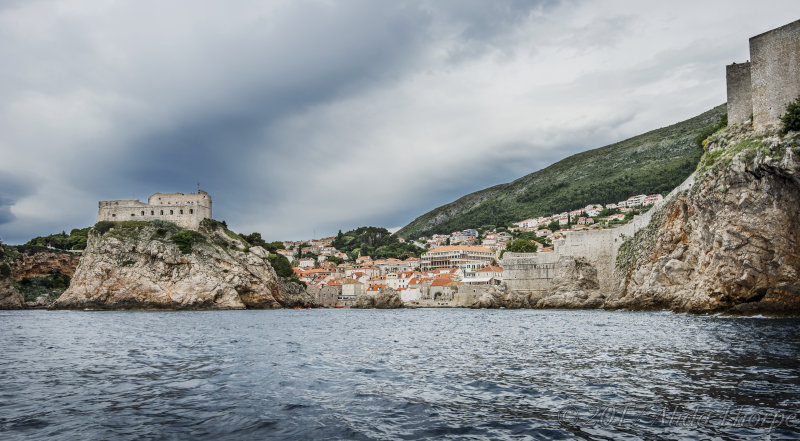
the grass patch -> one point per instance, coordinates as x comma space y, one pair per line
186, 239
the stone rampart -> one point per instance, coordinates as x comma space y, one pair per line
740, 99
185, 210
533, 272
775, 73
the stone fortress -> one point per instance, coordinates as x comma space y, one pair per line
185, 210
762, 87
765, 85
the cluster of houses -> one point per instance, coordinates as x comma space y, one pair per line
583, 218
452, 263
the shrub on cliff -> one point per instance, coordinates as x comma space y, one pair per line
103, 227
186, 239
791, 119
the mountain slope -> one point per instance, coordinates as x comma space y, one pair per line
655, 162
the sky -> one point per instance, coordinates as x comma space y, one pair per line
301, 118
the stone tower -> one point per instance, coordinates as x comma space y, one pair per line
767, 84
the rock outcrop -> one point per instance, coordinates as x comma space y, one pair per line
44, 263
574, 286
731, 243
10, 295
156, 265
386, 298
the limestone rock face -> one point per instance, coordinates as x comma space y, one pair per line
386, 298
10, 296
575, 286
41, 264
140, 267
732, 243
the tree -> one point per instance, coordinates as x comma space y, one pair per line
791, 119
520, 246
554, 225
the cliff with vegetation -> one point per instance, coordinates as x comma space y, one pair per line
33, 276
732, 242
655, 162
157, 265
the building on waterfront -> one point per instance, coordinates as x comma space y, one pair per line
185, 210
457, 256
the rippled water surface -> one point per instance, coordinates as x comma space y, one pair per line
405, 374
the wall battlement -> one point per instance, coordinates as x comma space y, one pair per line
769, 82
533, 272
185, 210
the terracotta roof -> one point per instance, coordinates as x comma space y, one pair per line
441, 281
496, 269
460, 248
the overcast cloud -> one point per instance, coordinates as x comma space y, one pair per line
310, 116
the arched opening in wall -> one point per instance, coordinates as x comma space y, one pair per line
171, 212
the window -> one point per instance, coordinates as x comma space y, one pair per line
181, 211
162, 211
171, 212
152, 212
113, 215
142, 213
191, 211
133, 214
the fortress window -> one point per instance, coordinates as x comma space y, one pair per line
191, 211
152, 212
162, 211
143, 213
181, 211
113, 215
171, 212
133, 214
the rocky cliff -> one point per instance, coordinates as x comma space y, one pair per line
386, 298
33, 276
731, 243
156, 265
574, 286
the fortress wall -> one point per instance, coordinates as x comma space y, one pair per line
775, 73
184, 210
740, 99
529, 272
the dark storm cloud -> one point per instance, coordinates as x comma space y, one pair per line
303, 116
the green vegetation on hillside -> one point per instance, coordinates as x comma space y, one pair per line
75, 240
655, 162
791, 119
375, 242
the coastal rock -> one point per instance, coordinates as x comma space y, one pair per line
10, 296
158, 266
575, 286
44, 263
732, 243
386, 298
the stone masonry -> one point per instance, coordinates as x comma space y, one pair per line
774, 78
185, 210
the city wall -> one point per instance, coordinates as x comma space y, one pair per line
740, 98
533, 272
769, 82
775, 73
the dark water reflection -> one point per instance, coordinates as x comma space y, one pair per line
409, 374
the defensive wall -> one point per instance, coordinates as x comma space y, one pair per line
774, 78
533, 272
185, 210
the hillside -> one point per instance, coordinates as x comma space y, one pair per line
655, 162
